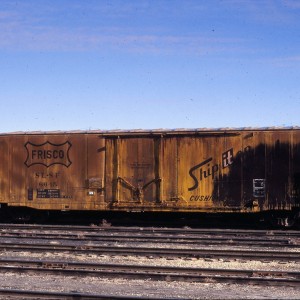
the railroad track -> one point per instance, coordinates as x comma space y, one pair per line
152, 272
154, 252
171, 243
137, 235
166, 239
152, 230
147, 246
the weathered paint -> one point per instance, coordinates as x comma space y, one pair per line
60, 172
201, 170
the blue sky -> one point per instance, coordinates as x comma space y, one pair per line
68, 65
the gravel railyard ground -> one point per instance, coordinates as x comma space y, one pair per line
149, 288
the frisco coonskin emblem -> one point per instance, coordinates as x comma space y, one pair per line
48, 154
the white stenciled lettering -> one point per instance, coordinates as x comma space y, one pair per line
227, 158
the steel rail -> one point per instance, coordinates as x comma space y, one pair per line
141, 233
152, 272
166, 239
151, 252
151, 230
33, 294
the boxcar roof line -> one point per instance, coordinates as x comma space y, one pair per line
117, 132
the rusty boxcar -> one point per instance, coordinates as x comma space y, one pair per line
201, 170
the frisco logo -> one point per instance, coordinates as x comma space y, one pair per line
48, 154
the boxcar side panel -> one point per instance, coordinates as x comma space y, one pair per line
207, 180
17, 172
169, 170
95, 180
278, 170
198, 157
132, 172
4, 169
47, 162
53, 172
253, 166
295, 166
229, 182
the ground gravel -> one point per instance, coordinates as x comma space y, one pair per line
148, 288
